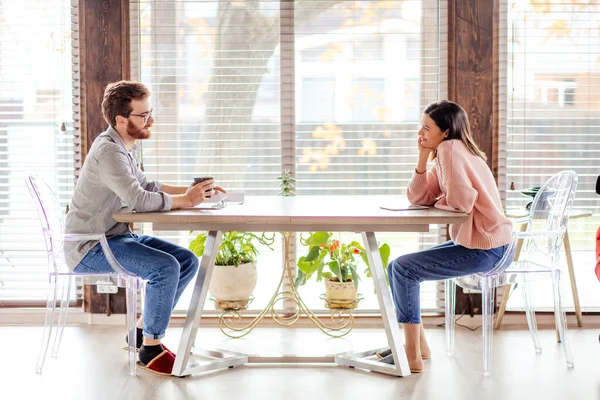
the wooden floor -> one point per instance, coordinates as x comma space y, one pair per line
92, 366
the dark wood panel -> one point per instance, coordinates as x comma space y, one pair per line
474, 48
472, 83
466, 10
475, 98
104, 58
495, 89
101, 303
471, 76
479, 13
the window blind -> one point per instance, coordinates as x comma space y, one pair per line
553, 116
36, 135
332, 90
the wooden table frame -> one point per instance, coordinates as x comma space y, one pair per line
523, 220
295, 214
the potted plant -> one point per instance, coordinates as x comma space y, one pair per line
341, 260
234, 277
287, 184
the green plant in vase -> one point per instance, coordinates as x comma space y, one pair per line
335, 262
234, 276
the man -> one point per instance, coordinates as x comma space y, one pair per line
111, 179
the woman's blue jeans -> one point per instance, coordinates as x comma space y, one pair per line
168, 268
446, 260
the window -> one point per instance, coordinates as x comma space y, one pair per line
568, 93
369, 99
318, 99
36, 136
349, 85
553, 116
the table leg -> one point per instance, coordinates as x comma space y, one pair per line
219, 360
569, 256
507, 288
386, 306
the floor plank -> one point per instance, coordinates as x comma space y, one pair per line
92, 366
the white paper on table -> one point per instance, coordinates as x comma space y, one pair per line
403, 207
220, 200
233, 197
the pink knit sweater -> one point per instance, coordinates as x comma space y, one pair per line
462, 181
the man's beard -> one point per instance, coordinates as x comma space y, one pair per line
138, 133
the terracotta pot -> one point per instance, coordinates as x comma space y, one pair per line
233, 283
336, 291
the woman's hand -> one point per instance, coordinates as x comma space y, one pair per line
424, 153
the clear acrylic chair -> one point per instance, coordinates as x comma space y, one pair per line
540, 257
52, 219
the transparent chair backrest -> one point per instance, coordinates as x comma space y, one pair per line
550, 212
51, 216
553, 203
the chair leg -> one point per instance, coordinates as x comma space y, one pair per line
488, 323
49, 321
131, 294
450, 295
530, 313
561, 318
62, 317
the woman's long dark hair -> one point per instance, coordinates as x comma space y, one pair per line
451, 117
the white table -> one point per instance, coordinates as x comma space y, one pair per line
295, 214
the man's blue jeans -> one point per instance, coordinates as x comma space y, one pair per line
446, 260
168, 268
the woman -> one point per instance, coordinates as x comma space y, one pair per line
459, 181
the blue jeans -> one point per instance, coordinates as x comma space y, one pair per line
446, 260
168, 268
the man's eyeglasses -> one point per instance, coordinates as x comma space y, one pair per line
145, 115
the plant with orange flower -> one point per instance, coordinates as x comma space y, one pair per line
325, 251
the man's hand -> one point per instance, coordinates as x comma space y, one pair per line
197, 193
193, 195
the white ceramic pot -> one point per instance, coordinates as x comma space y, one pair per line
233, 283
339, 291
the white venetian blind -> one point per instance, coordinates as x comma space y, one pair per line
553, 117
36, 135
338, 85
213, 70
364, 71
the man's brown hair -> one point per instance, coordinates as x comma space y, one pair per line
117, 99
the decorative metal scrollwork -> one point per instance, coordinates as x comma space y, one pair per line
341, 317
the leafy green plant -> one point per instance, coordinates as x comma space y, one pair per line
236, 247
287, 184
341, 259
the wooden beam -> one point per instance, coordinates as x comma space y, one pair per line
472, 83
105, 58
471, 67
